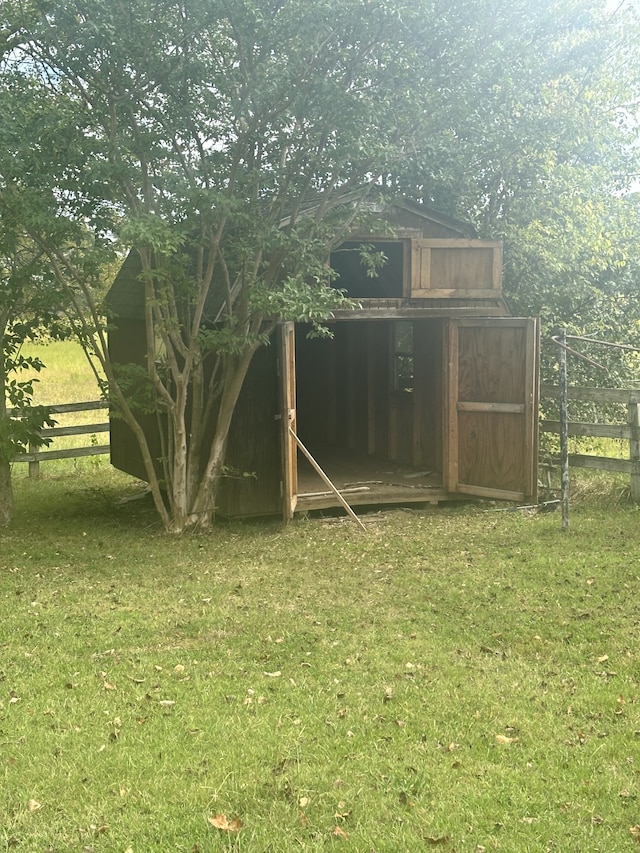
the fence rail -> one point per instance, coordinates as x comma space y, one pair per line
35, 455
629, 431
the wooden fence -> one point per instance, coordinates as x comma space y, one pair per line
37, 455
629, 431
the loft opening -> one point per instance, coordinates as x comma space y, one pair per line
375, 269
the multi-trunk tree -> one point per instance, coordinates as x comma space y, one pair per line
230, 145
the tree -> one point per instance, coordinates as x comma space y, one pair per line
541, 149
231, 146
26, 304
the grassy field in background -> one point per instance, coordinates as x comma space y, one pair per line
68, 378
458, 679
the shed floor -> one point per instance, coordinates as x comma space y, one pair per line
365, 480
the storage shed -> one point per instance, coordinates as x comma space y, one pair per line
427, 392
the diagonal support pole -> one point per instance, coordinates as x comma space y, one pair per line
326, 480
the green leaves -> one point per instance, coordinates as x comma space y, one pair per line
19, 430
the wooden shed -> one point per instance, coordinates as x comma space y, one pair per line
427, 392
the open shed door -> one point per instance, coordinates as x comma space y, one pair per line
491, 408
290, 449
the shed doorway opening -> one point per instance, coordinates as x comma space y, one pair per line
369, 409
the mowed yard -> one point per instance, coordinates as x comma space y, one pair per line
457, 678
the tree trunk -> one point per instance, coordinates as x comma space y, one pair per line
203, 508
6, 494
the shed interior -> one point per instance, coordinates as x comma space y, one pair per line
369, 405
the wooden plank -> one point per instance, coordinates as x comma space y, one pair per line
500, 408
403, 311
451, 293
351, 390
70, 453
377, 495
532, 402
332, 402
407, 249
79, 429
460, 243
497, 268
419, 279
371, 390
288, 396
78, 407
451, 412
63, 408
593, 395
421, 374
620, 431
621, 466
495, 494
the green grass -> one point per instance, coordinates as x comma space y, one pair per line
309, 677
67, 378
457, 679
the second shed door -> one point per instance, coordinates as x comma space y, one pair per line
491, 405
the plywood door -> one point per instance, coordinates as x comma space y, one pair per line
491, 408
288, 389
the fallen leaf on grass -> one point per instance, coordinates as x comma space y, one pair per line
603, 658
108, 686
222, 822
276, 674
342, 813
437, 839
339, 832
635, 831
503, 739
34, 805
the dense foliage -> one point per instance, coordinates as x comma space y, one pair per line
249, 137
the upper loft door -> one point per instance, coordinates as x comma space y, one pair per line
491, 408
287, 363
456, 269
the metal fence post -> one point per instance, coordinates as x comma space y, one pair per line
633, 419
564, 428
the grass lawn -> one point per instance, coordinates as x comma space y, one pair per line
456, 679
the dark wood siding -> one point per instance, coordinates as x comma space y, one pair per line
127, 346
254, 455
